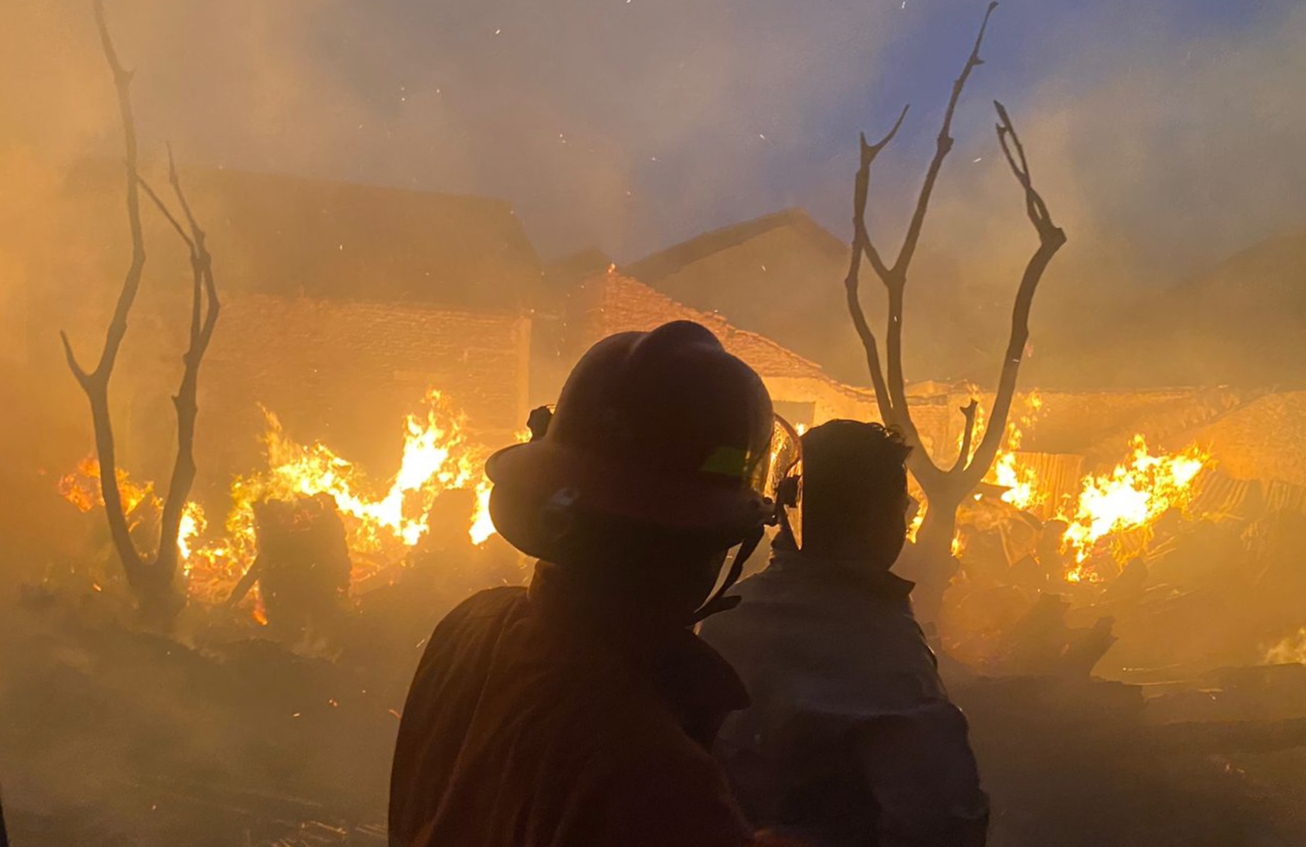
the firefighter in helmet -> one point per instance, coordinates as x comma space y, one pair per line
580, 711
851, 738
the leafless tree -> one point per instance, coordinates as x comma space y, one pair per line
151, 575
944, 487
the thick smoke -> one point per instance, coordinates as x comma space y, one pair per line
1167, 134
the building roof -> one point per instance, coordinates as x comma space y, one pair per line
619, 303
782, 275
658, 267
1240, 323
292, 236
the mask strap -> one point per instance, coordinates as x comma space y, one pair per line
719, 602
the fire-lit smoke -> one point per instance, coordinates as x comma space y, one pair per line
1290, 651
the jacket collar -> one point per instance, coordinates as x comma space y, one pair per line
698, 685
884, 584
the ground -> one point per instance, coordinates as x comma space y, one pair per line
217, 737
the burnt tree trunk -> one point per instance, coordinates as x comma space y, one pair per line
152, 578
945, 488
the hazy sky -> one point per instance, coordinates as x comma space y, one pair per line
1164, 132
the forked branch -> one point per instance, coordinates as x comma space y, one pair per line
1051, 239
862, 247
890, 388
151, 579
969, 412
95, 383
204, 318
890, 384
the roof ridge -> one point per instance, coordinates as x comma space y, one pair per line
663, 263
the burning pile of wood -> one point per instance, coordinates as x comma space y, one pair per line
1179, 566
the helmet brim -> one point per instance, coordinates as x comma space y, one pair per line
598, 486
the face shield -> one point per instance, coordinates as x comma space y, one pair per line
781, 479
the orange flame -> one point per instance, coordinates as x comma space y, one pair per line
1132, 495
437, 457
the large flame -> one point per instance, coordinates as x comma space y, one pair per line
437, 457
1134, 494
1020, 480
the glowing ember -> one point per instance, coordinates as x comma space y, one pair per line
1137, 492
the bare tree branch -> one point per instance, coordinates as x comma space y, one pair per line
945, 488
967, 438
204, 301
152, 579
869, 154
1051, 239
943, 147
862, 246
96, 383
167, 214
896, 279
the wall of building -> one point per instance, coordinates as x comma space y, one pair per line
345, 373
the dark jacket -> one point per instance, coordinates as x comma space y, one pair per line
851, 738
535, 721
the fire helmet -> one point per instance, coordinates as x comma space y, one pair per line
661, 429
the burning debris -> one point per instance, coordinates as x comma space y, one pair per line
1157, 536
307, 488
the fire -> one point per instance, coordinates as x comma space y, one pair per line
382, 525
436, 458
1134, 494
482, 525
193, 524
82, 488
1020, 480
